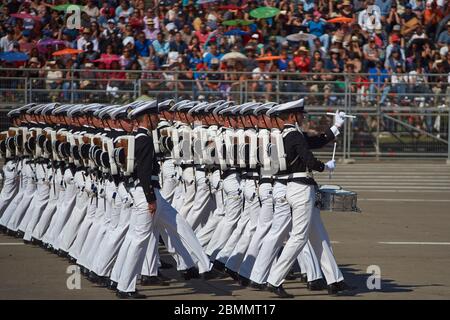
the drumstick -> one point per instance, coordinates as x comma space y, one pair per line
334, 152
346, 116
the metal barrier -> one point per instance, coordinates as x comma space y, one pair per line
402, 118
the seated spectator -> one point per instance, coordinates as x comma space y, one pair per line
302, 60
317, 28
379, 83
444, 36
142, 45
161, 47
178, 44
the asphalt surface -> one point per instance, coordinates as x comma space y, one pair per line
403, 230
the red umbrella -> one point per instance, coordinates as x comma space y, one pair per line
107, 58
230, 7
268, 58
25, 16
341, 20
66, 51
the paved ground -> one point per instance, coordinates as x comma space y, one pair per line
404, 229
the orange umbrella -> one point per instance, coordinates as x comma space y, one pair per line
341, 20
66, 51
268, 58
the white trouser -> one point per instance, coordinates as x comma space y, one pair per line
309, 263
21, 210
121, 208
95, 235
47, 216
181, 238
68, 204
188, 191
204, 204
178, 197
132, 252
170, 180
206, 232
273, 240
306, 223
10, 209
253, 206
83, 231
233, 208
10, 186
249, 193
69, 233
263, 226
40, 203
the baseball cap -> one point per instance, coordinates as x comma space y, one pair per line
111, 21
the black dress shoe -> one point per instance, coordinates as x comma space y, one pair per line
20, 234
303, 278
234, 275
103, 281
316, 285
152, 281
165, 265
62, 253
279, 291
219, 266
72, 259
257, 286
291, 276
244, 281
10, 233
130, 295
26, 242
163, 277
93, 277
2, 229
191, 273
337, 287
36, 242
112, 285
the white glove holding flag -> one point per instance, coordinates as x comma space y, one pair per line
339, 118
330, 165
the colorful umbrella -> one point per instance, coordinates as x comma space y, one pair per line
236, 32
233, 56
237, 22
230, 7
268, 58
107, 58
25, 16
64, 7
297, 37
264, 12
341, 20
42, 44
13, 56
206, 1
66, 51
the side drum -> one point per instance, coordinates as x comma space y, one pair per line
334, 198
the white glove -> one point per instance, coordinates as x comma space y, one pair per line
330, 165
339, 118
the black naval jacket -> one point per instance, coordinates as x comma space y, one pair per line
299, 158
146, 163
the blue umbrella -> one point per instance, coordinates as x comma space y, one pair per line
13, 56
206, 1
236, 32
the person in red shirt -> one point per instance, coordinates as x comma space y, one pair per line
202, 34
302, 60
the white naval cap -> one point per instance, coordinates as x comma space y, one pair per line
147, 108
263, 108
288, 107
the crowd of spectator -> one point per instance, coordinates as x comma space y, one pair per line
393, 51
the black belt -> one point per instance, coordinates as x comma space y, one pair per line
184, 165
228, 172
266, 180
